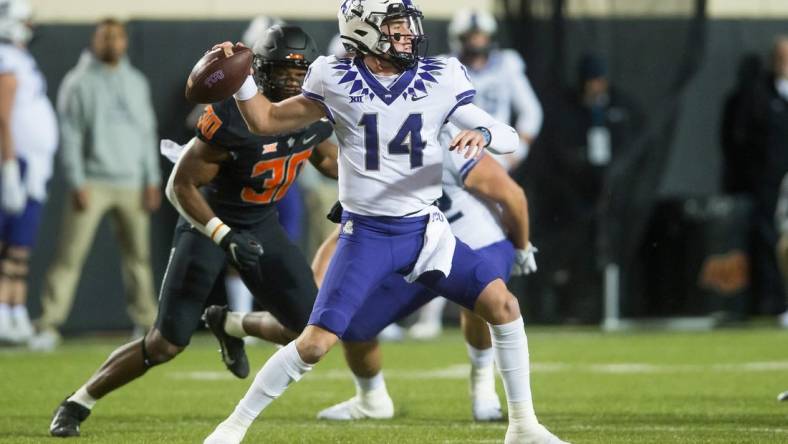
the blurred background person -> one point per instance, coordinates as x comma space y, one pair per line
110, 160
501, 88
28, 141
588, 130
762, 130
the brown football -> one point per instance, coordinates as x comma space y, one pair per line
219, 74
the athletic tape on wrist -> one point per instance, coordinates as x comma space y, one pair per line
247, 91
216, 230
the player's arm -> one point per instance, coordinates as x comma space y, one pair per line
266, 118
324, 158
323, 256
14, 194
481, 130
198, 165
526, 104
490, 180
8, 85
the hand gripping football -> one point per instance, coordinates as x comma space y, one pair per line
219, 74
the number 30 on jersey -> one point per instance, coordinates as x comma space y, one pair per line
280, 172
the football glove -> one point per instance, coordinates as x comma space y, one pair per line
243, 249
335, 213
14, 195
525, 261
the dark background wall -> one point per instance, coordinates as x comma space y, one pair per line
641, 58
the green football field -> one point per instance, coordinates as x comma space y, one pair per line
589, 387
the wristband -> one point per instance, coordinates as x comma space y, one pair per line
247, 91
487, 136
216, 230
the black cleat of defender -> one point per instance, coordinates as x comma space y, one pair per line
233, 353
67, 418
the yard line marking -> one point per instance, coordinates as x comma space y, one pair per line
668, 428
461, 371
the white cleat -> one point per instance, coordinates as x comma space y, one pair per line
373, 405
7, 333
45, 341
392, 333
532, 435
486, 408
782, 397
485, 404
23, 331
424, 331
782, 319
226, 433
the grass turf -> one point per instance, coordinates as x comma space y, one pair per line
589, 387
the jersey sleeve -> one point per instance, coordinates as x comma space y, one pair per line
323, 129
524, 99
314, 84
213, 127
6, 60
461, 87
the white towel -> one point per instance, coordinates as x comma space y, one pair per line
438, 248
173, 150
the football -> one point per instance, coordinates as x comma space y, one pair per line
219, 74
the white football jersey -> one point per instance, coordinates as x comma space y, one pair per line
474, 220
502, 86
390, 161
34, 129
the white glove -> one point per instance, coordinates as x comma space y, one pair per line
525, 261
14, 195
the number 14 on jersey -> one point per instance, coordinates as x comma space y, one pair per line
408, 140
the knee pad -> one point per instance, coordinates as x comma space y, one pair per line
14, 267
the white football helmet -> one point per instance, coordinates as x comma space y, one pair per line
257, 28
360, 29
468, 20
14, 18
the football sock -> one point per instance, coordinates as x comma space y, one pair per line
83, 398
233, 325
480, 357
5, 314
283, 368
482, 371
366, 385
511, 357
239, 298
433, 311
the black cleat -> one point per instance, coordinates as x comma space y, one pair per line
232, 348
67, 418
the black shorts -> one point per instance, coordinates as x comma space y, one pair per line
283, 285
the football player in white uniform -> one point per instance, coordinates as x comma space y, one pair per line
482, 204
471, 39
28, 141
388, 106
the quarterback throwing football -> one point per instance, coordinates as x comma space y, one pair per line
388, 106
